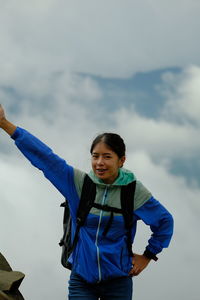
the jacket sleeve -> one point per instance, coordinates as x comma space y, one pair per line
160, 221
41, 156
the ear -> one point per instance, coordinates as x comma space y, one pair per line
122, 161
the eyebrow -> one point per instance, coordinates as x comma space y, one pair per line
106, 153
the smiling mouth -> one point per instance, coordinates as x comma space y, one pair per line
101, 171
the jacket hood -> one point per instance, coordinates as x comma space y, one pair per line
125, 177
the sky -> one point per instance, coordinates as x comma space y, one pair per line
73, 69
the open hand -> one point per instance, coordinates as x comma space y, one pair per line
139, 262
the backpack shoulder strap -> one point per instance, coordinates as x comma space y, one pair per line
127, 205
88, 195
127, 202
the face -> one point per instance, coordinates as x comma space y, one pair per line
106, 163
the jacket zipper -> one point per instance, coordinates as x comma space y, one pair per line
97, 234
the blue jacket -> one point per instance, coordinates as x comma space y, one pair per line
97, 257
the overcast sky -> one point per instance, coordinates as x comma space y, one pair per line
45, 47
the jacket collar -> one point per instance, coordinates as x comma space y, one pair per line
124, 177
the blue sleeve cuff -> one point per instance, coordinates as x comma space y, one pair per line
15, 135
150, 255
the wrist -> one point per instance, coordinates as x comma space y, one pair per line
3, 122
7, 126
148, 254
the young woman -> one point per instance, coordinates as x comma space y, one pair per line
102, 267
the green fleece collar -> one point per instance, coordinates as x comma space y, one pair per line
124, 178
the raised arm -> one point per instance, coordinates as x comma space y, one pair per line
41, 156
5, 124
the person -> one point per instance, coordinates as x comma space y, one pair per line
102, 267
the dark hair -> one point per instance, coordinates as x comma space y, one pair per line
113, 141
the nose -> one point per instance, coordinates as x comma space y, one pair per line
100, 161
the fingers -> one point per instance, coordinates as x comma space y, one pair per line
135, 270
139, 263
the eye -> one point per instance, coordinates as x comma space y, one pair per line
107, 156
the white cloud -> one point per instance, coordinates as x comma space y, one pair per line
183, 202
183, 92
110, 38
61, 103
31, 226
161, 139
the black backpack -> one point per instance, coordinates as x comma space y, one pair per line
86, 203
